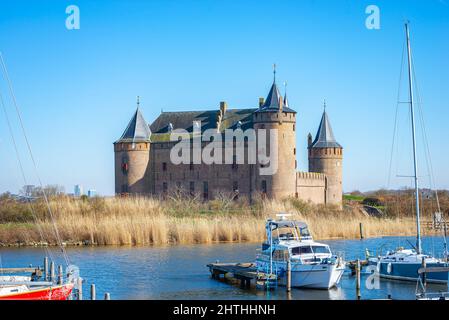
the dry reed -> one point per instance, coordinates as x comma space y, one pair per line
147, 221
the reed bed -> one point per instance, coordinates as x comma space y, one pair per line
148, 221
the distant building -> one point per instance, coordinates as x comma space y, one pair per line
91, 193
78, 190
143, 166
28, 189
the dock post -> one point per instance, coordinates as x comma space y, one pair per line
60, 277
107, 296
80, 289
424, 277
92, 292
361, 230
357, 283
46, 269
52, 271
289, 275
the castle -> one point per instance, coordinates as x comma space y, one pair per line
143, 164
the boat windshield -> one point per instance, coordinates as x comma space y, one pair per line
320, 249
310, 249
287, 234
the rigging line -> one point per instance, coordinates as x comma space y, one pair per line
426, 143
40, 231
429, 160
58, 238
396, 115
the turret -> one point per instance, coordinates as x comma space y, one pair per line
275, 114
326, 156
132, 153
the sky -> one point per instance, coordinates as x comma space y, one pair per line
77, 88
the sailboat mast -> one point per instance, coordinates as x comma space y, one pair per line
415, 157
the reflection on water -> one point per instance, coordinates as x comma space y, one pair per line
180, 272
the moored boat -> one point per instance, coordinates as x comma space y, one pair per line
24, 292
40, 285
404, 264
312, 264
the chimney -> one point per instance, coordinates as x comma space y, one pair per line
223, 108
309, 140
261, 102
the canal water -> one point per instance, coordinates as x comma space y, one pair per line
180, 272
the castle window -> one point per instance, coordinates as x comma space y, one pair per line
164, 187
296, 164
234, 162
294, 127
235, 189
164, 166
205, 190
192, 188
294, 151
264, 186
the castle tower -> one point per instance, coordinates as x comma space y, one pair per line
274, 113
132, 153
326, 156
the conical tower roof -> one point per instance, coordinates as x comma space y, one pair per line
285, 100
273, 98
274, 101
137, 129
325, 136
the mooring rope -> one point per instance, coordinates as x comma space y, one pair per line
8, 80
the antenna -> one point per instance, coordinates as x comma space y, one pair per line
283, 216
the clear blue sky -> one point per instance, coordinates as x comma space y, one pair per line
77, 88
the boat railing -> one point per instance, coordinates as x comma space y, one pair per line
433, 295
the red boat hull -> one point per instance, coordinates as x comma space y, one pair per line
51, 293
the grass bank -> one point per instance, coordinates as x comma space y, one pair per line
145, 221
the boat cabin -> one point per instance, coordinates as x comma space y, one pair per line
287, 230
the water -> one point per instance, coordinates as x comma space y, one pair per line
180, 272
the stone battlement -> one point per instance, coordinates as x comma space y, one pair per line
310, 175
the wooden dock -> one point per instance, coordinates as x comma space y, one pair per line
243, 272
435, 225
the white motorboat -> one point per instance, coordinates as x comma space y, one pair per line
312, 263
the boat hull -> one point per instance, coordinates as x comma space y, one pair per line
313, 276
61, 292
408, 271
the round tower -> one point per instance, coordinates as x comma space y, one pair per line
326, 156
274, 118
132, 155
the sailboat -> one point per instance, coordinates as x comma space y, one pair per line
39, 283
402, 263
